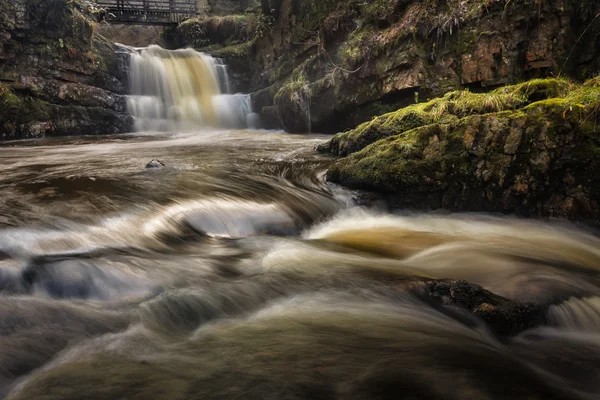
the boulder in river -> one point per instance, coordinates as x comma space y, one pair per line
502, 316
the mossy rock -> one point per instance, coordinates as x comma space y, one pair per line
541, 158
445, 110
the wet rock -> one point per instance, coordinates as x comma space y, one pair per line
503, 316
155, 164
292, 103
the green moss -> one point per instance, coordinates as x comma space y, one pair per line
399, 162
16, 109
241, 50
447, 109
217, 30
581, 104
9, 102
539, 89
289, 90
490, 149
296, 83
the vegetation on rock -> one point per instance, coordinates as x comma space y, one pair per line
56, 73
534, 152
444, 110
360, 59
221, 30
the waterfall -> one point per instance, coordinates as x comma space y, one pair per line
182, 90
577, 314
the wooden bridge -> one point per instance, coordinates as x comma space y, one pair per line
148, 12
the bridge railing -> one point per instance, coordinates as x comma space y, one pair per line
151, 12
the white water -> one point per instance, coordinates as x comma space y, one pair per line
210, 277
577, 314
183, 90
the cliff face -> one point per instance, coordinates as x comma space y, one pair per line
326, 65
56, 76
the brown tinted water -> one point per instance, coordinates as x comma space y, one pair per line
237, 272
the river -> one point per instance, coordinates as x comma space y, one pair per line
237, 271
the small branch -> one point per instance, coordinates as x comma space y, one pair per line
337, 67
576, 43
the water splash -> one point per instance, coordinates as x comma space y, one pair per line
183, 90
577, 314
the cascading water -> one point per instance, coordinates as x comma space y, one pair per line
237, 272
577, 314
183, 90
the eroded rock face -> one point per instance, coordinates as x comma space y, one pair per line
358, 59
56, 76
541, 158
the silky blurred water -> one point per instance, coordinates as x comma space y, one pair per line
236, 271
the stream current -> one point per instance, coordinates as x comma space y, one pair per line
236, 271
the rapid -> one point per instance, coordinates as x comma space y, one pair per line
237, 271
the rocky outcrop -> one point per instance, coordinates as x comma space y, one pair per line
328, 65
445, 110
57, 77
530, 149
133, 35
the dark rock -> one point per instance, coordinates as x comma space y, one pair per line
270, 118
155, 164
539, 159
503, 316
57, 77
292, 103
349, 61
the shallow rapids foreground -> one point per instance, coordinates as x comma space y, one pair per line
237, 272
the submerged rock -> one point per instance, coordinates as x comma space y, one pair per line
155, 164
483, 153
502, 316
